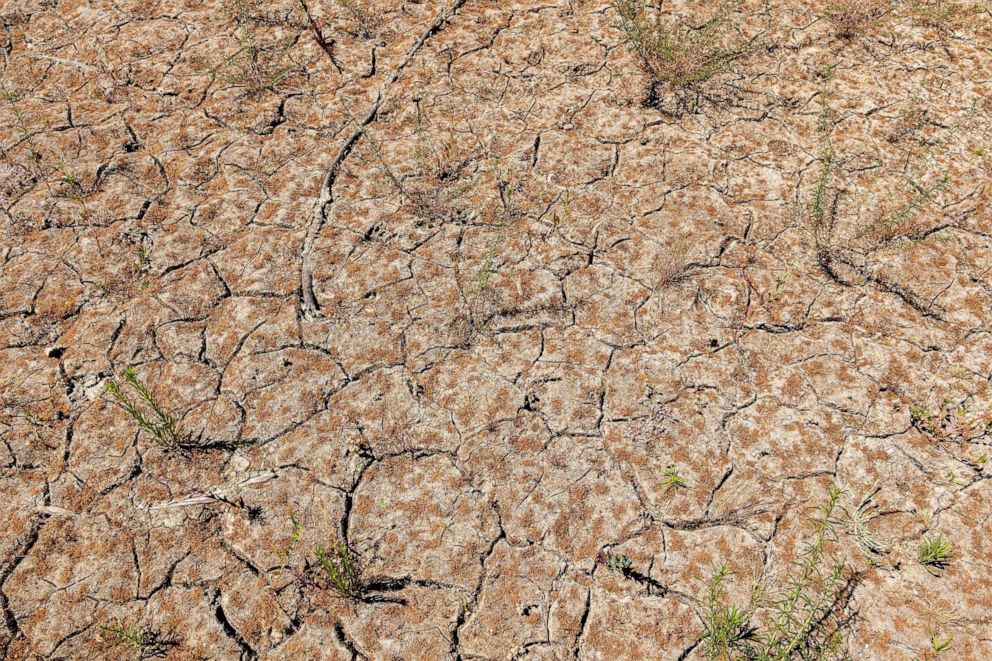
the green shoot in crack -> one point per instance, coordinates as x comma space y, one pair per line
150, 414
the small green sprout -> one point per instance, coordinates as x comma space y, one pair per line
297, 527
940, 645
619, 563
935, 554
673, 480
937, 647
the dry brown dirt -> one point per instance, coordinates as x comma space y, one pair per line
458, 292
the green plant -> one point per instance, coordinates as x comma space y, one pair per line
889, 226
727, 628
939, 615
808, 618
938, 646
161, 423
284, 553
951, 422
297, 527
935, 554
140, 259
439, 181
919, 414
679, 56
619, 563
253, 65
673, 480
818, 205
445, 526
34, 423
12, 96
140, 265
76, 191
366, 133
486, 268
40, 164
340, 567
144, 640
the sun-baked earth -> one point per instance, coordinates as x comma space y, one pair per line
449, 283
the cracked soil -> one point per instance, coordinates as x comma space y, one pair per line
452, 284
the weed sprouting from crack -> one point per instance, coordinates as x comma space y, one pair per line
35, 424
857, 522
944, 16
809, 617
940, 616
41, 166
938, 645
486, 268
366, 133
160, 422
853, 247
935, 554
673, 480
342, 571
890, 225
145, 641
75, 189
12, 96
285, 552
952, 422
430, 203
727, 628
139, 267
340, 566
819, 206
678, 57
437, 185
619, 563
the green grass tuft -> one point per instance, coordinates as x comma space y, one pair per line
935, 554
674, 481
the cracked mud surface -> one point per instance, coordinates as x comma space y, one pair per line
450, 292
